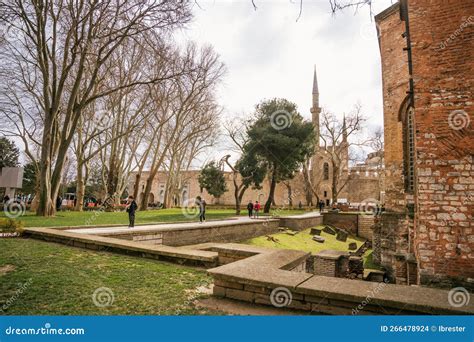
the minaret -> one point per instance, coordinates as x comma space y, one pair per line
344, 129
315, 109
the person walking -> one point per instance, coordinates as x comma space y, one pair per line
321, 206
250, 209
59, 202
202, 209
131, 209
256, 209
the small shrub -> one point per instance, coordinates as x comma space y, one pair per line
8, 225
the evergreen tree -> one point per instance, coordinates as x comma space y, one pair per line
9, 153
282, 139
212, 179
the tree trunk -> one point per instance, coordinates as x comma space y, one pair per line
136, 188
335, 181
80, 188
269, 202
237, 198
290, 195
45, 205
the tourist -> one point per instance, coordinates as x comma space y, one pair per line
321, 206
6, 199
202, 209
59, 202
250, 209
131, 208
256, 209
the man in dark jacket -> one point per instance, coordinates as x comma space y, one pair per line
131, 209
250, 208
202, 209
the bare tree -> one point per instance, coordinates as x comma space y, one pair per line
66, 44
336, 143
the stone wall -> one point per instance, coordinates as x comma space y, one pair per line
434, 243
443, 61
348, 222
227, 232
301, 222
357, 224
395, 85
365, 226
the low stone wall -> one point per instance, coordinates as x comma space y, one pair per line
348, 222
230, 231
100, 243
283, 284
365, 226
301, 222
357, 224
330, 263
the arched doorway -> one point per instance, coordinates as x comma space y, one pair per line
151, 199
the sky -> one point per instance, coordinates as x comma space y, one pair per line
268, 53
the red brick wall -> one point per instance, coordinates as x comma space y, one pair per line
395, 85
442, 35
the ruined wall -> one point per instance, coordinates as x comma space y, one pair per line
363, 188
395, 85
442, 36
426, 237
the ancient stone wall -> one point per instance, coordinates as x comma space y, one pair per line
442, 36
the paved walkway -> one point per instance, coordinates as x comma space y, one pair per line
166, 226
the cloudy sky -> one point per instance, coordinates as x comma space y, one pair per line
269, 54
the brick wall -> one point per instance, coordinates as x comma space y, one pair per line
365, 226
356, 224
348, 222
433, 241
395, 85
442, 36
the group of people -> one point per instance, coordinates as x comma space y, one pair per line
253, 209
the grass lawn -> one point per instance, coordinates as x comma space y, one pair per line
303, 242
41, 278
74, 218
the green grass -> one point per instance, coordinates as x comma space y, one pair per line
369, 262
60, 280
303, 242
74, 218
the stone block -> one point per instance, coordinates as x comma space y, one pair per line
341, 236
240, 295
315, 231
218, 291
352, 246
329, 230
228, 284
319, 239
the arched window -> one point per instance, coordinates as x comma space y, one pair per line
326, 171
406, 115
